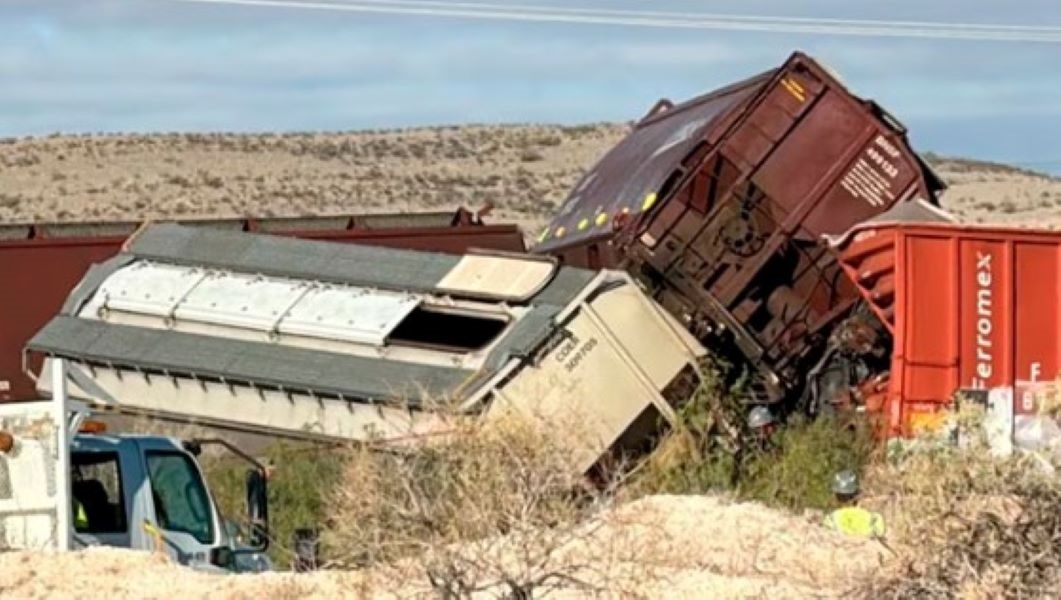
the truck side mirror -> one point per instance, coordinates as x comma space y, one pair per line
258, 509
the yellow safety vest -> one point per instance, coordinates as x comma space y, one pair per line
80, 517
855, 521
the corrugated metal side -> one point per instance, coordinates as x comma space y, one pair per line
39, 264
971, 308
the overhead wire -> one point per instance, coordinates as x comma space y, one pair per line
700, 15
675, 20
666, 20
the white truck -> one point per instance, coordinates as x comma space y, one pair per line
65, 484
331, 342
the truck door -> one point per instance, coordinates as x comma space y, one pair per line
99, 497
181, 507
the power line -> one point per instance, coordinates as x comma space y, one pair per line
989, 27
656, 19
671, 20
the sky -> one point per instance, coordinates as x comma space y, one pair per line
84, 66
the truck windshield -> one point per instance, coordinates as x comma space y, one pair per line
181, 501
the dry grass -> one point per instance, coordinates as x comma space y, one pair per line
967, 524
496, 512
669, 546
488, 510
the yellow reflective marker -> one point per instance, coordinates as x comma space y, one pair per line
794, 88
560, 232
649, 201
602, 218
584, 223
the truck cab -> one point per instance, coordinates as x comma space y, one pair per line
130, 491
136, 491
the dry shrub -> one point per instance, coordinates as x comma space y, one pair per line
1048, 400
530, 155
969, 524
488, 509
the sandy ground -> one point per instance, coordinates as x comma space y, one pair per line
686, 547
526, 171
982, 192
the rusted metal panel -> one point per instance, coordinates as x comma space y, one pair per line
724, 228
969, 308
40, 263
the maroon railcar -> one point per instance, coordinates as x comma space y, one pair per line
40, 263
718, 205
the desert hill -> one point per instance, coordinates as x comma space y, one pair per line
525, 170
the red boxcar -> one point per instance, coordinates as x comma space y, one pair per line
40, 263
970, 308
718, 204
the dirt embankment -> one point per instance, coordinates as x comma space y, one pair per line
688, 547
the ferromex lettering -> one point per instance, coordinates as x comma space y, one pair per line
985, 324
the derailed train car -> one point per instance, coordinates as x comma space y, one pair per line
718, 205
347, 342
972, 310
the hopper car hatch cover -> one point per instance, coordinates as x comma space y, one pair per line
345, 313
42, 262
